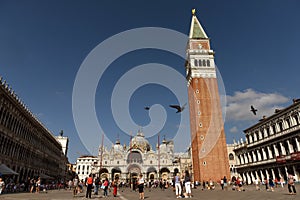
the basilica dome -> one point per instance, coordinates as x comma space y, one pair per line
118, 147
139, 142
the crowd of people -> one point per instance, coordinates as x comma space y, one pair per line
32, 185
182, 185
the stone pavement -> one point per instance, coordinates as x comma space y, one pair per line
156, 194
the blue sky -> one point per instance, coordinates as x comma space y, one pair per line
43, 45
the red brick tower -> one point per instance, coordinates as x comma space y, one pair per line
209, 151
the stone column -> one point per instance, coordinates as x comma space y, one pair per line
271, 130
242, 159
250, 139
244, 178
258, 155
291, 149
273, 173
280, 173
297, 144
252, 176
296, 174
275, 150
254, 156
282, 148
256, 174
254, 137
264, 154
248, 178
286, 171
270, 152
267, 173
250, 159
246, 158
262, 175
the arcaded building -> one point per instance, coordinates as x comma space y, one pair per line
26, 145
272, 146
209, 151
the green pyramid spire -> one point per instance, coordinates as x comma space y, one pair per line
196, 30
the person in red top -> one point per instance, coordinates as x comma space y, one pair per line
115, 185
89, 183
105, 184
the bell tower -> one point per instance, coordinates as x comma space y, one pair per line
209, 151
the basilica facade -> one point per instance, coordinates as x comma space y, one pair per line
127, 162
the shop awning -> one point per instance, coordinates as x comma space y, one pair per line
6, 170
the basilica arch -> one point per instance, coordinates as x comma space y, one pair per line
135, 156
115, 172
103, 173
164, 173
151, 173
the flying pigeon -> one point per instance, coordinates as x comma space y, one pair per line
253, 110
179, 109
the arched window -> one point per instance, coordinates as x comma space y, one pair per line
288, 122
208, 63
231, 156
196, 62
200, 63
204, 63
280, 126
296, 118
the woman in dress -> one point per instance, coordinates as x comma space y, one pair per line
115, 186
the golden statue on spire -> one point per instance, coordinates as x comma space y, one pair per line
193, 11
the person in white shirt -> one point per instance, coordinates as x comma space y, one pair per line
141, 183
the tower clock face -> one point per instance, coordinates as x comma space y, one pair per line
200, 45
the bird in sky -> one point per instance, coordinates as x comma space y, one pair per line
147, 108
253, 110
178, 107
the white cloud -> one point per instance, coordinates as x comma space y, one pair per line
238, 105
234, 130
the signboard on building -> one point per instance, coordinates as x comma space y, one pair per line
280, 159
295, 156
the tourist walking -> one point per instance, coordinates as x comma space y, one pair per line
222, 183
239, 182
105, 187
76, 183
32, 183
177, 185
2, 185
141, 183
38, 185
282, 182
266, 184
97, 185
291, 184
187, 184
115, 186
257, 182
89, 183
271, 184
70, 184
225, 182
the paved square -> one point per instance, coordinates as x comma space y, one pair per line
157, 194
